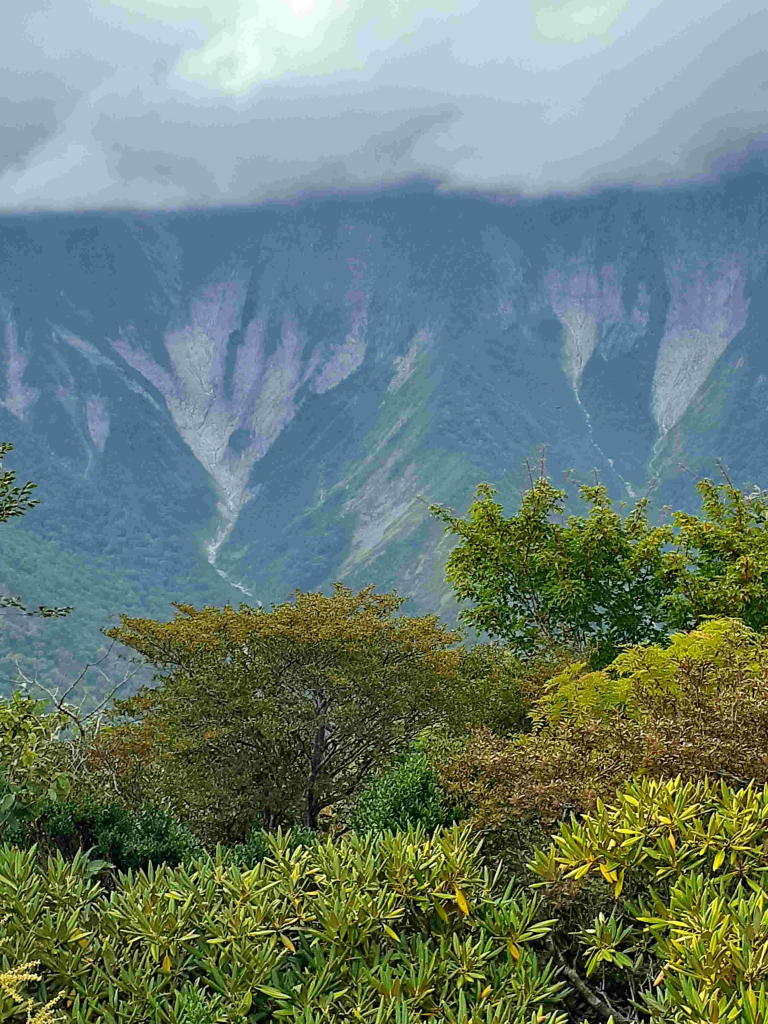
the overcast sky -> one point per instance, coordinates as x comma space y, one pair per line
172, 103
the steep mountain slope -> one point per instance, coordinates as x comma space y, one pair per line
223, 406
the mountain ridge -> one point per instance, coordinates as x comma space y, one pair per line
265, 393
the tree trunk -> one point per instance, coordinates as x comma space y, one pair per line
268, 820
312, 807
311, 812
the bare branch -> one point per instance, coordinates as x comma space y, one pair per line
59, 701
683, 466
721, 467
601, 1006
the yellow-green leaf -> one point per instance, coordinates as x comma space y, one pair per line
609, 876
392, 934
485, 992
287, 943
461, 901
719, 858
514, 952
274, 992
167, 964
441, 912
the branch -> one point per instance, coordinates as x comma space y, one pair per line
46, 613
601, 1006
59, 701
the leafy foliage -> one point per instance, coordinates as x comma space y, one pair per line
290, 711
378, 928
592, 585
725, 555
699, 705
408, 794
29, 765
124, 839
496, 687
705, 847
16, 501
256, 848
599, 583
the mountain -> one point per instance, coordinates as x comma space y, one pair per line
221, 406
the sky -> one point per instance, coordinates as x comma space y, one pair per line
167, 104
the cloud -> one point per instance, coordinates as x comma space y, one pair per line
166, 104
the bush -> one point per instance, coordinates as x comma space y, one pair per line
387, 927
125, 840
30, 774
701, 853
256, 847
697, 706
407, 794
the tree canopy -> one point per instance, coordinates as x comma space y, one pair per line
597, 583
591, 584
721, 557
286, 712
698, 705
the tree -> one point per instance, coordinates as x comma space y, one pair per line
15, 501
722, 559
85, 755
29, 768
598, 583
291, 710
591, 585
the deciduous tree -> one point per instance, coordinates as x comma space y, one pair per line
597, 583
698, 705
288, 711
721, 558
591, 584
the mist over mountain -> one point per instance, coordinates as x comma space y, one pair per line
222, 406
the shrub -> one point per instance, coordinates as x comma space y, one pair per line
387, 927
29, 768
125, 840
256, 847
698, 706
407, 794
9, 982
704, 849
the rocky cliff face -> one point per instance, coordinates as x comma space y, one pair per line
268, 392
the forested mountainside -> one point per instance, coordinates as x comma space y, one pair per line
224, 406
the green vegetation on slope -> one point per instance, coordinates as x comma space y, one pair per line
377, 732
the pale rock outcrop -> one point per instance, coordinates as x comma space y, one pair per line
19, 398
264, 389
405, 365
586, 300
708, 310
98, 420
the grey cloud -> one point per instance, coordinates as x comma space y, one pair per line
159, 104
23, 126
